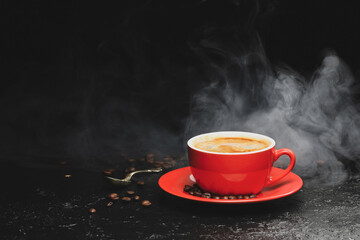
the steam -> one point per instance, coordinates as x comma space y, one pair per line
314, 117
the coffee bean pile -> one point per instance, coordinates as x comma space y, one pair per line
195, 190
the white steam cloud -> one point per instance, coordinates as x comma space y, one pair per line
315, 117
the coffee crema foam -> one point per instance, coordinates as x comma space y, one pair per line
232, 145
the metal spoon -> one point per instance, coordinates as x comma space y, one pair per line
127, 180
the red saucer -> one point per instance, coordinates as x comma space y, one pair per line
173, 182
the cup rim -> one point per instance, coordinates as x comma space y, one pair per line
252, 134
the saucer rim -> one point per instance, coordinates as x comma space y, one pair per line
183, 195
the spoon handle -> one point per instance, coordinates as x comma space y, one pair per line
128, 177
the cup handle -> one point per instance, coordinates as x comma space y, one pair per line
277, 154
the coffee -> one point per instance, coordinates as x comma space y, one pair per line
232, 145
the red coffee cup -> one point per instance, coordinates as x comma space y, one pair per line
239, 173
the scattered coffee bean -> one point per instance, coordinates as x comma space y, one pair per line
126, 199
109, 204
150, 157
131, 160
130, 192
253, 196
106, 172
167, 165
142, 159
159, 162
246, 197
113, 196
168, 159
62, 162
136, 198
92, 210
129, 169
111, 170
232, 197
146, 203
140, 183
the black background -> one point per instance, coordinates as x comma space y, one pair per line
86, 79
90, 85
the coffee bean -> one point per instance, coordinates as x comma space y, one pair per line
146, 203
253, 196
232, 197
130, 192
198, 193
109, 204
224, 197
159, 162
62, 162
187, 188
167, 166
207, 195
150, 157
113, 195
92, 210
131, 160
126, 199
156, 165
140, 183
136, 198
142, 159
168, 159
240, 197
106, 172
129, 169
246, 197
111, 170
197, 188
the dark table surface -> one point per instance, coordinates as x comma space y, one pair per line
39, 202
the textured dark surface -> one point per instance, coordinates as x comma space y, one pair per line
39, 202
86, 80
